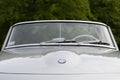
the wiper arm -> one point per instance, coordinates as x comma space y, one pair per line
68, 41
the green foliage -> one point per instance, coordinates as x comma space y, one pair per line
12, 11
108, 11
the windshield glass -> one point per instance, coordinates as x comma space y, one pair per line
32, 33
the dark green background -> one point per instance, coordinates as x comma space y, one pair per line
106, 11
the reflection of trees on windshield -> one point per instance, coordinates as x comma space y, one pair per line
32, 33
45, 32
72, 30
20, 34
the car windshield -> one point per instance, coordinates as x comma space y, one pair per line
59, 32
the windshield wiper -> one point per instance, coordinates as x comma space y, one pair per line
59, 40
97, 42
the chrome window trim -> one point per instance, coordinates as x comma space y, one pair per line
59, 44
69, 21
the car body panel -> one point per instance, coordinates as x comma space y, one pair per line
75, 62
61, 77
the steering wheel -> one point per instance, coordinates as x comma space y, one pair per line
85, 37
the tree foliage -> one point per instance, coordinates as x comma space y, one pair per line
108, 11
12, 11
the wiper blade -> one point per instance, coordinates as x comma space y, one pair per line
59, 40
98, 42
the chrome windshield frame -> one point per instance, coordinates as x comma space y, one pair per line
61, 21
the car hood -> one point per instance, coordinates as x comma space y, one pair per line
60, 62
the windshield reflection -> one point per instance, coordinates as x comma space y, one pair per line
59, 33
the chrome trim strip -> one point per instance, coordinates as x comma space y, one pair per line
113, 39
92, 22
59, 44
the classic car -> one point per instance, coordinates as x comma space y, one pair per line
60, 50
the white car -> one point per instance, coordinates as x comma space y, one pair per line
60, 50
